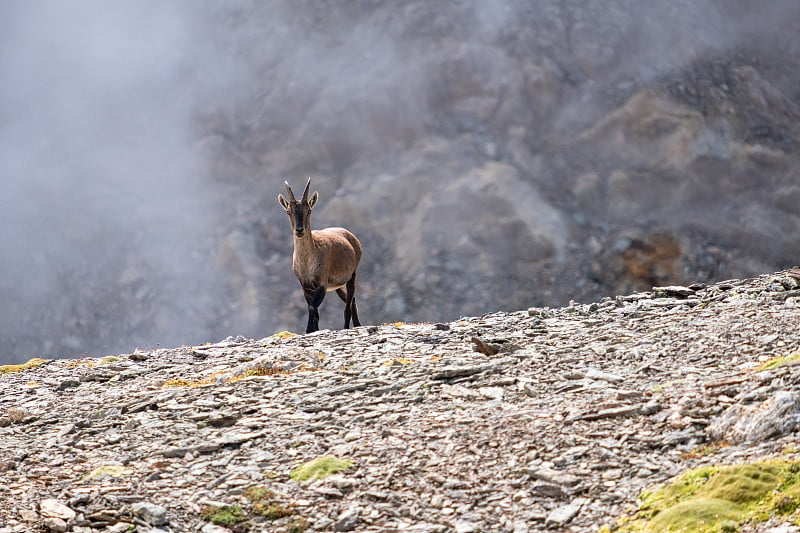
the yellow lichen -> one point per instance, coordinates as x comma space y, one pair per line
661, 387
179, 382
111, 471
283, 335
31, 363
705, 450
790, 449
398, 361
90, 363
269, 371
777, 362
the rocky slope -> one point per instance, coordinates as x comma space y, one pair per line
545, 419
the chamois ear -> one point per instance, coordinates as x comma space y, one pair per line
283, 202
313, 199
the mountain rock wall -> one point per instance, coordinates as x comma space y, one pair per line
488, 156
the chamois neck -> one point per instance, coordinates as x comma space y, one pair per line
304, 242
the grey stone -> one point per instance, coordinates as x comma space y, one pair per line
69, 383
213, 528
151, 513
552, 476
347, 521
776, 416
563, 514
550, 490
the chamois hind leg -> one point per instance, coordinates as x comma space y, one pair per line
343, 295
350, 303
353, 308
347, 314
314, 298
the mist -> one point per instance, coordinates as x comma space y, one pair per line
104, 197
142, 145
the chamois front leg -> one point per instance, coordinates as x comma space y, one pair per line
314, 298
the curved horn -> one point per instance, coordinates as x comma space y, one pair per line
289, 190
305, 192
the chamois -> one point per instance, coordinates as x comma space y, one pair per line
323, 260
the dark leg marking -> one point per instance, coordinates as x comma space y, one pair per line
314, 298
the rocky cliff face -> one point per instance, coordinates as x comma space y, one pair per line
493, 158
545, 419
489, 157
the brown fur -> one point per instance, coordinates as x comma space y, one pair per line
323, 260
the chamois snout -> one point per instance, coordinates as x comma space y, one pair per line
299, 225
325, 260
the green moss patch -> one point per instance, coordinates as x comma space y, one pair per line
297, 525
226, 515
264, 504
320, 468
698, 514
261, 502
31, 363
744, 484
718, 499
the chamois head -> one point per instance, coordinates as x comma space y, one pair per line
299, 211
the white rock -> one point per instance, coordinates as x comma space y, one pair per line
52, 523
783, 529
119, 527
599, 375
212, 528
492, 393
52, 508
464, 526
520, 527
